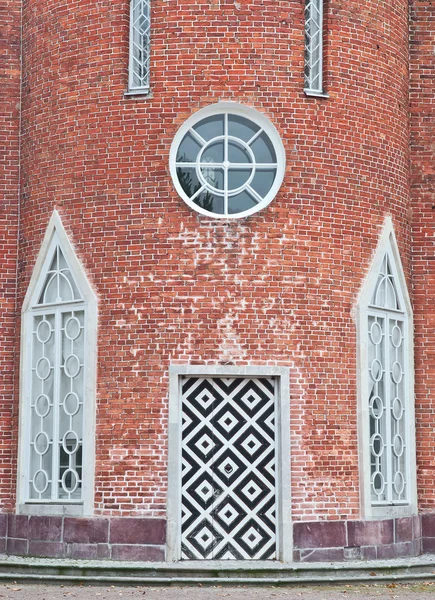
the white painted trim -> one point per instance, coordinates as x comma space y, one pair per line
55, 229
132, 89
249, 113
387, 244
283, 487
309, 91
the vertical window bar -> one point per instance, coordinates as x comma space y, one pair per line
140, 30
56, 411
313, 46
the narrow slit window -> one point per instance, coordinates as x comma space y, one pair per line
140, 30
313, 47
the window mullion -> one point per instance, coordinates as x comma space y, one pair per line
56, 394
388, 424
226, 164
407, 427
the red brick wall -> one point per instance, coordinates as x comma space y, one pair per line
276, 288
422, 104
9, 174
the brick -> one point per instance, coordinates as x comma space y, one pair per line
3, 525
48, 529
18, 526
137, 531
428, 525
88, 551
370, 533
404, 529
368, 553
395, 550
417, 527
47, 549
323, 555
137, 552
17, 546
319, 535
86, 531
428, 544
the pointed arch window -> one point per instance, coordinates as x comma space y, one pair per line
387, 382
57, 367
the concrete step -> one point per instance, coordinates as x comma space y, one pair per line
214, 572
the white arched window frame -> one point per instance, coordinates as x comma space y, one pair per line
139, 47
386, 386
57, 383
227, 161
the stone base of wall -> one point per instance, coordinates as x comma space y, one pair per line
142, 539
358, 540
428, 533
117, 538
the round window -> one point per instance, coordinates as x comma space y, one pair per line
227, 161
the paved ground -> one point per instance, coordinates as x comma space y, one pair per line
415, 591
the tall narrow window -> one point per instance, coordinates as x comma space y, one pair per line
58, 367
313, 47
139, 69
386, 361
387, 342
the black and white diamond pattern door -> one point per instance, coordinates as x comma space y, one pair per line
228, 468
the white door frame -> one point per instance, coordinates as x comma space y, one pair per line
283, 488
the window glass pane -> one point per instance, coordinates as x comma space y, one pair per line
214, 177
213, 153
210, 202
263, 181
242, 128
188, 150
238, 154
238, 178
50, 292
59, 285
385, 294
66, 292
240, 203
398, 409
210, 127
263, 149
378, 415
188, 180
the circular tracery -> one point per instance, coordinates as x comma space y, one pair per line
227, 161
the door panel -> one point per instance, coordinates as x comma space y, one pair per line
228, 468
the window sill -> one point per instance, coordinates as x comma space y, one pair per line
391, 511
66, 510
315, 94
138, 92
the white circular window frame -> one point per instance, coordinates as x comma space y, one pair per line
239, 110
